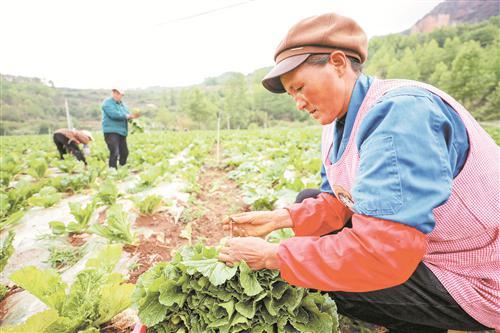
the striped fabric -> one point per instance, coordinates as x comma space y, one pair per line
463, 249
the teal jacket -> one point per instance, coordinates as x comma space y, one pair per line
114, 117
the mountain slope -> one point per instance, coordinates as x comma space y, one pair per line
452, 12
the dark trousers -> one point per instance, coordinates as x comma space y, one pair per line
117, 145
421, 304
64, 146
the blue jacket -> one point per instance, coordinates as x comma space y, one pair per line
428, 135
114, 117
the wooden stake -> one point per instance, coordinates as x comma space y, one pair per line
218, 139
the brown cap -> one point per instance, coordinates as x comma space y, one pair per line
317, 34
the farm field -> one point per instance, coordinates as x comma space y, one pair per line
76, 242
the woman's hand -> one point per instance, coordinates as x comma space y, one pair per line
258, 223
133, 115
256, 252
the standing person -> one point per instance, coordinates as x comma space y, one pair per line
67, 141
115, 116
412, 171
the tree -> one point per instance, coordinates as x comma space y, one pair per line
441, 77
406, 68
427, 56
472, 76
380, 61
195, 104
236, 102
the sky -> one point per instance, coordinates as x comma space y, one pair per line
139, 44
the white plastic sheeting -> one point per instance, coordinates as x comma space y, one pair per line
30, 250
22, 305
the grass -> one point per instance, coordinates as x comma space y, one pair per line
62, 256
494, 132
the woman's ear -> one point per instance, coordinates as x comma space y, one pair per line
338, 60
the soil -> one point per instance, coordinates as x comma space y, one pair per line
217, 197
12, 291
102, 217
78, 239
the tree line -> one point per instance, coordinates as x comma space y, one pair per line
463, 60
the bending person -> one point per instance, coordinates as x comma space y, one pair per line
409, 167
67, 141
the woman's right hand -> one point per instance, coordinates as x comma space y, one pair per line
133, 115
257, 223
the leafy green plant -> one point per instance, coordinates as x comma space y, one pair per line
75, 182
69, 165
6, 249
10, 165
117, 227
17, 197
260, 198
192, 213
4, 204
95, 296
38, 168
3, 291
119, 174
149, 204
136, 127
197, 293
11, 220
5, 178
134, 266
82, 217
150, 176
281, 234
47, 197
108, 193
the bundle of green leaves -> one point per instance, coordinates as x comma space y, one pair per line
197, 293
96, 296
137, 127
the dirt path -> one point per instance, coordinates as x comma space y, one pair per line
216, 198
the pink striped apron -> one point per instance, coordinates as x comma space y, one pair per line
463, 248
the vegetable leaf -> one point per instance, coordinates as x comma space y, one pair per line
44, 284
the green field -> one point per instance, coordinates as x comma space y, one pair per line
76, 210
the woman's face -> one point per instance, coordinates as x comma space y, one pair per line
317, 89
117, 96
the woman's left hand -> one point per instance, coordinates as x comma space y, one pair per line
255, 251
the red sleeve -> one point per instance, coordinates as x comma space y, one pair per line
318, 216
375, 254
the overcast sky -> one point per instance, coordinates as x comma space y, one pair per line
136, 44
